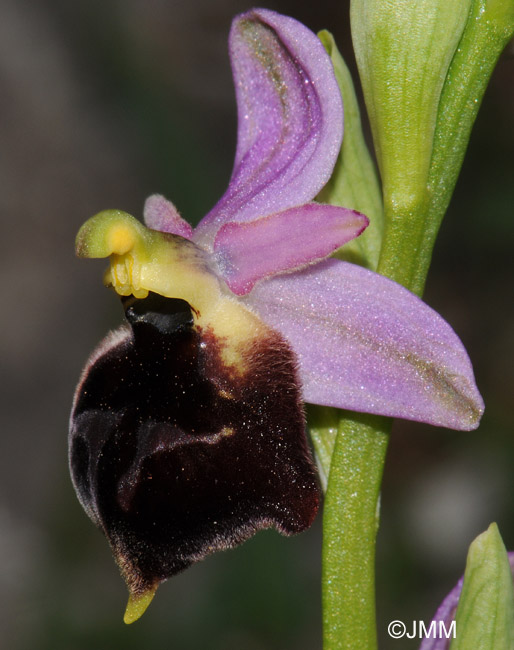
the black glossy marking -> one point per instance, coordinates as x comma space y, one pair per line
174, 457
167, 316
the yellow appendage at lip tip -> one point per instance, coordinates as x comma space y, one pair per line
137, 605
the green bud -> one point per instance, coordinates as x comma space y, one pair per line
424, 68
485, 614
403, 51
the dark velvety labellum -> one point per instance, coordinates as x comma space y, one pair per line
173, 456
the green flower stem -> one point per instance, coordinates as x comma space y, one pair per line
350, 448
350, 525
436, 76
351, 513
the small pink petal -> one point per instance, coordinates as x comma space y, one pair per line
247, 252
161, 214
290, 120
365, 343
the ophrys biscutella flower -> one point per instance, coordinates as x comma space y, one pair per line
187, 431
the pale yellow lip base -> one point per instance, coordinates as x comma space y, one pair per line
143, 260
137, 605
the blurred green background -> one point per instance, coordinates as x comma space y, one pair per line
102, 103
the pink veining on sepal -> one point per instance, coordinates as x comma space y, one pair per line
247, 252
161, 214
289, 120
365, 343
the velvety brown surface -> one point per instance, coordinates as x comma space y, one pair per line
174, 457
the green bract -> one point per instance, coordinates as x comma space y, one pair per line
489, 28
354, 182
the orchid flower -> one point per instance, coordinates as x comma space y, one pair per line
187, 432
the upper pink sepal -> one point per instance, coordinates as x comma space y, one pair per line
288, 240
290, 120
161, 214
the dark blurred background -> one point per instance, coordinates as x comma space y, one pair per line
102, 103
